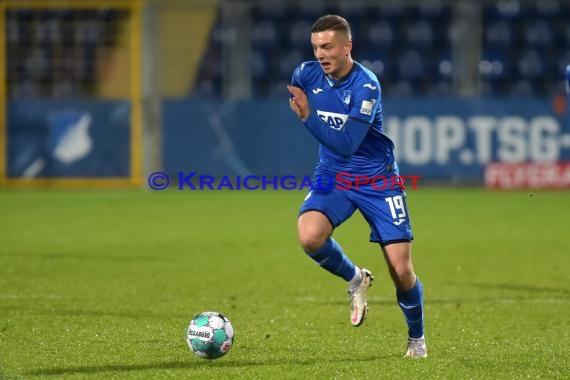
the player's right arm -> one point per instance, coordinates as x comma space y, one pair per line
297, 79
297, 98
299, 103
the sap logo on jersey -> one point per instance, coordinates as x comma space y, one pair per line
332, 119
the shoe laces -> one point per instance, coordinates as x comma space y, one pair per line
416, 344
351, 293
354, 291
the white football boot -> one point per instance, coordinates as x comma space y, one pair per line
358, 303
416, 348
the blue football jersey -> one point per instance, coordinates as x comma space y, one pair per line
357, 98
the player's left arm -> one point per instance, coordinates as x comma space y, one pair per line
346, 140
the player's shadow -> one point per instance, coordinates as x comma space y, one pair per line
132, 314
196, 364
98, 257
485, 293
525, 288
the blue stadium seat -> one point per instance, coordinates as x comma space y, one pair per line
433, 10
310, 10
440, 89
209, 86
562, 59
14, 31
270, 10
217, 35
90, 59
498, 34
64, 88
538, 34
392, 10
411, 65
265, 34
401, 89
531, 37
54, 52
443, 65
19, 25
503, 10
288, 62
13, 59
408, 44
299, 33
89, 31
351, 10
36, 63
565, 33
27, 88
260, 66
209, 80
278, 89
381, 34
546, 9
378, 66
523, 88
495, 71
495, 64
530, 65
420, 34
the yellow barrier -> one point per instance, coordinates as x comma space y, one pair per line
3, 95
134, 8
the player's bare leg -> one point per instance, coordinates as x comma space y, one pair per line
409, 293
399, 259
314, 232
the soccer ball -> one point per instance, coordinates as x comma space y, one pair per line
210, 335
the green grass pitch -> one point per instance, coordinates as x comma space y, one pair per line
102, 284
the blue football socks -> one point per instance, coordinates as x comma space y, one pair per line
412, 304
331, 257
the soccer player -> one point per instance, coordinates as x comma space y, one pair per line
339, 102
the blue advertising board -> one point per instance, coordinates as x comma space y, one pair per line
451, 140
68, 139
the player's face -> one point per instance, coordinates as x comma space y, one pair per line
332, 50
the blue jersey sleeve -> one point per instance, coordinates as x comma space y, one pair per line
344, 141
296, 80
366, 102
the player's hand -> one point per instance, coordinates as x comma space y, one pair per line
299, 102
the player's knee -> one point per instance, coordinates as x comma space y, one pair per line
311, 238
313, 230
405, 277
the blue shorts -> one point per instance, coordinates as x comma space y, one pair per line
384, 210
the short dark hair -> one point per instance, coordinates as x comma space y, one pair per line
332, 22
